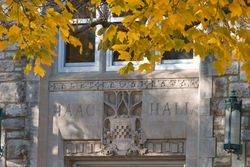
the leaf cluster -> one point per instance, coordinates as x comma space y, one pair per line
33, 26
207, 27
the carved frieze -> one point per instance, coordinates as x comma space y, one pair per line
88, 85
152, 148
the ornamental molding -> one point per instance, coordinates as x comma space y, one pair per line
88, 85
167, 147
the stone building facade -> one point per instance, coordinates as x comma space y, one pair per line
171, 117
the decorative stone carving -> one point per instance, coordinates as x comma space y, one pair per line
123, 84
122, 132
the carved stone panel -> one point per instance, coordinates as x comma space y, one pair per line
165, 113
78, 115
122, 132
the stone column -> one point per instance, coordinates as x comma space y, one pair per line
206, 141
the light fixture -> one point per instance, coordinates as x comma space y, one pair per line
233, 112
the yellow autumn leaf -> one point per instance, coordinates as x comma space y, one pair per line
121, 36
27, 68
59, 3
116, 10
235, 8
64, 32
124, 56
38, 62
70, 6
75, 42
133, 36
220, 67
214, 1
3, 45
110, 33
145, 67
38, 70
3, 30
14, 31
95, 2
127, 69
213, 41
48, 60
120, 47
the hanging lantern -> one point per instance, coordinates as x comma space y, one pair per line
233, 111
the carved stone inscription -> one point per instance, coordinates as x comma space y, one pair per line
165, 112
156, 83
78, 114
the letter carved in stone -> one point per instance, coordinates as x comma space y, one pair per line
122, 133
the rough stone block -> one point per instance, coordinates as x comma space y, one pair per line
243, 76
219, 134
246, 105
13, 110
219, 122
233, 78
19, 63
234, 69
1, 55
6, 65
11, 92
244, 122
17, 149
18, 69
13, 123
248, 149
220, 150
218, 106
16, 163
10, 77
222, 161
243, 89
15, 134
247, 161
220, 87
245, 135
32, 91
9, 55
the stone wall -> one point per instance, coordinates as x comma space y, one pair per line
234, 79
19, 100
